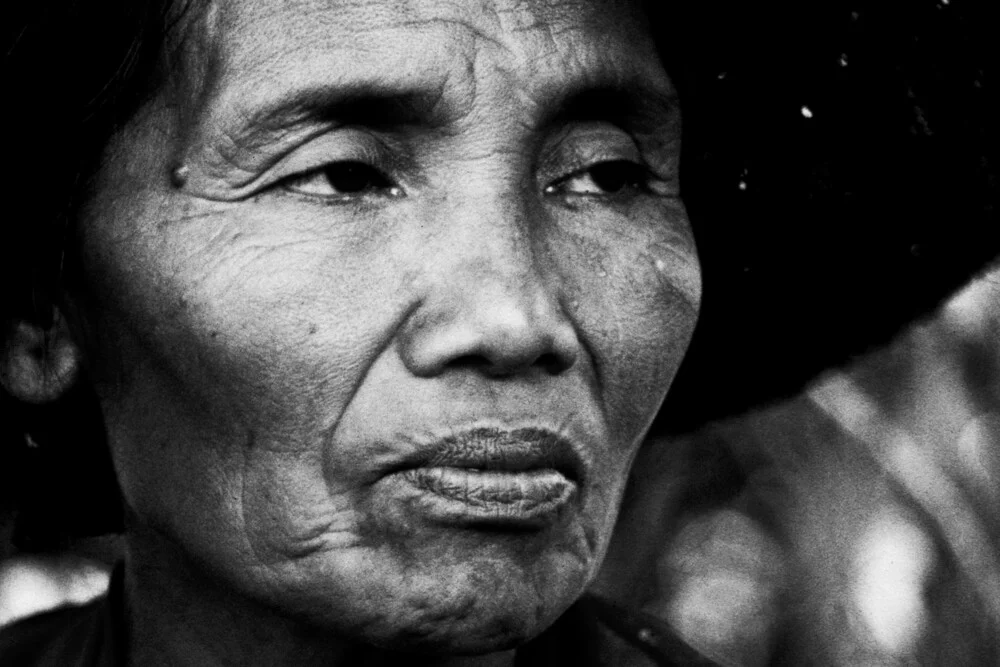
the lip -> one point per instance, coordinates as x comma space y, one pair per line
485, 476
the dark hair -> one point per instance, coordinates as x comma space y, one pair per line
847, 224
73, 73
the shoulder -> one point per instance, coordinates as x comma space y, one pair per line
64, 637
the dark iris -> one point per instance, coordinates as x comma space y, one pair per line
354, 177
617, 175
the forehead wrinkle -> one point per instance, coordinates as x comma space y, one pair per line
534, 68
242, 116
557, 66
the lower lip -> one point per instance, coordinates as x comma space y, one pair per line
528, 498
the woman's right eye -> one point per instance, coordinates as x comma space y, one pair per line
343, 180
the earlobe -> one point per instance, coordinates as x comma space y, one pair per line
39, 363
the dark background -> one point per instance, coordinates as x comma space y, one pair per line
840, 170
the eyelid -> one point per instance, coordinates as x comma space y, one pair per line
337, 145
344, 145
581, 147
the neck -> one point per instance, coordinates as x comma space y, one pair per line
179, 616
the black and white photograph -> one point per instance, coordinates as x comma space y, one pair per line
500, 333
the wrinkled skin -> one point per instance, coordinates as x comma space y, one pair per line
270, 345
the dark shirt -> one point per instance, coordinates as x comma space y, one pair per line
592, 632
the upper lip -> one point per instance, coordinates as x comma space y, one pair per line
506, 449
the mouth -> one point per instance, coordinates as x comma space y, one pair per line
500, 478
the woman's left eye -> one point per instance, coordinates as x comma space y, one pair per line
342, 180
606, 178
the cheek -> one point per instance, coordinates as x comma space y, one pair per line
225, 358
634, 290
227, 307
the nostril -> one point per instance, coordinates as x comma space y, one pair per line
469, 361
500, 366
552, 363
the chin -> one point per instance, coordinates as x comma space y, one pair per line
482, 608
477, 630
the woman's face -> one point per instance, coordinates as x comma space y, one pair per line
383, 296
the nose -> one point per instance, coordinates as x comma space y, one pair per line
490, 306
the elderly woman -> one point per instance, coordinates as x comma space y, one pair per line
378, 301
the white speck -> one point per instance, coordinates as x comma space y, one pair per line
945, 2
743, 185
843, 60
854, 16
806, 112
722, 75
602, 273
646, 635
661, 266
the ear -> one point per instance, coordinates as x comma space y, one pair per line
39, 363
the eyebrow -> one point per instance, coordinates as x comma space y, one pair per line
364, 103
633, 104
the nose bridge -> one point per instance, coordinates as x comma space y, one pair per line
499, 236
490, 301
498, 263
